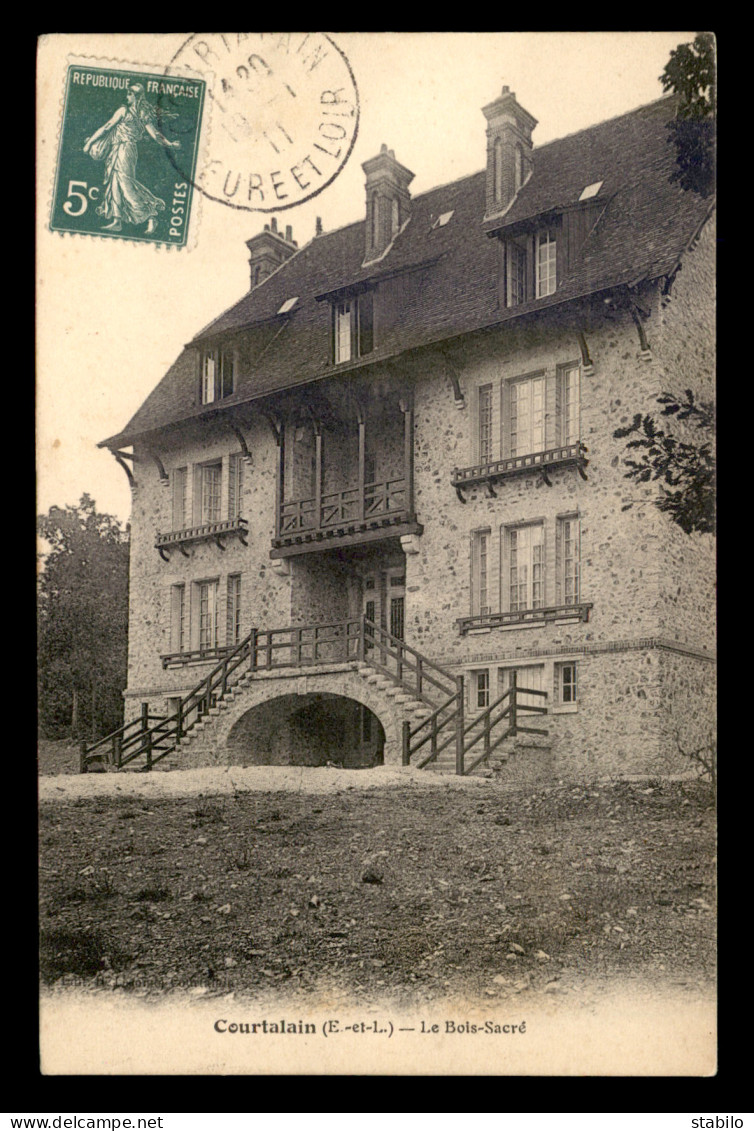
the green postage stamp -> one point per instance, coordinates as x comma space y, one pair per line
127, 156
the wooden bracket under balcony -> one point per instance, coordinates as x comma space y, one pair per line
568, 455
216, 532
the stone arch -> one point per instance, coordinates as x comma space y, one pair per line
316, 729
343, 683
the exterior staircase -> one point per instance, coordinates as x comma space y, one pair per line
428, 699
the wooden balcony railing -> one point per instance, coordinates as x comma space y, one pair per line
346, 512
208, 532
578, 611
567, 455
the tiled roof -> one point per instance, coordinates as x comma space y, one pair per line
448, 276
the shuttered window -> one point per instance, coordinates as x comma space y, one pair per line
570, 551
546, 260
218, 375
210, 486
235, 485
480, 596
531, 678
207, 604
526, 567
353, 327
569, 382
179, 485
343, 317
486, 454
233, 626
177, 618
527, 416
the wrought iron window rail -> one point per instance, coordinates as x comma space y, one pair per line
567, 455
578, 611
208, 532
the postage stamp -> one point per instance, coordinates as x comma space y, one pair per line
285, 116
116, 175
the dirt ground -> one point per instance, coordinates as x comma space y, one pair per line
389, 888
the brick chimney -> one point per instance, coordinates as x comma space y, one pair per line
268, 249
388, 200
509, 147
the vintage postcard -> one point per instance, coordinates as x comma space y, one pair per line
375, 448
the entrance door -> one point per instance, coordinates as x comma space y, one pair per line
383, 603
396, 603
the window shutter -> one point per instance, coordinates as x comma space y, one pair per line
365, 309
227, 375
559, 562
506, 421
333, 333
179, 498
177, 614
552, 413
197, 495
505, 589
235, 484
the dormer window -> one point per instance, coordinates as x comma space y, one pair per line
353, 327
546, 249
529, 266
218, 375
516, 274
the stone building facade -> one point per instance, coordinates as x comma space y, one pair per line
411, 419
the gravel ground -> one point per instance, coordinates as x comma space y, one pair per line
250, 779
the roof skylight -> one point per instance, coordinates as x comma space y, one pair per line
288, 305
442, 219
591, 190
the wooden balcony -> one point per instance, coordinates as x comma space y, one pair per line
210, 532
567, 455
345, 518
577, 612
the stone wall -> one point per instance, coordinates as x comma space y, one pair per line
685, 347
620, 560
265, 595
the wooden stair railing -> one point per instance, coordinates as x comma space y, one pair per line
153, 737
447, 725
137, 737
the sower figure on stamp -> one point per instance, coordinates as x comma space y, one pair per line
117, 143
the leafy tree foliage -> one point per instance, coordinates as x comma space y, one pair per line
690, 73
685, 469
82, 621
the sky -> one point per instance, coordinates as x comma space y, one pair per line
112, 316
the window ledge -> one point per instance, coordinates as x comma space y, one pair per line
199, 656
526, 618
568, 455
565, 709
209, 532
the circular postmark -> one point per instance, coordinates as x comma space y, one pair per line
285, 114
